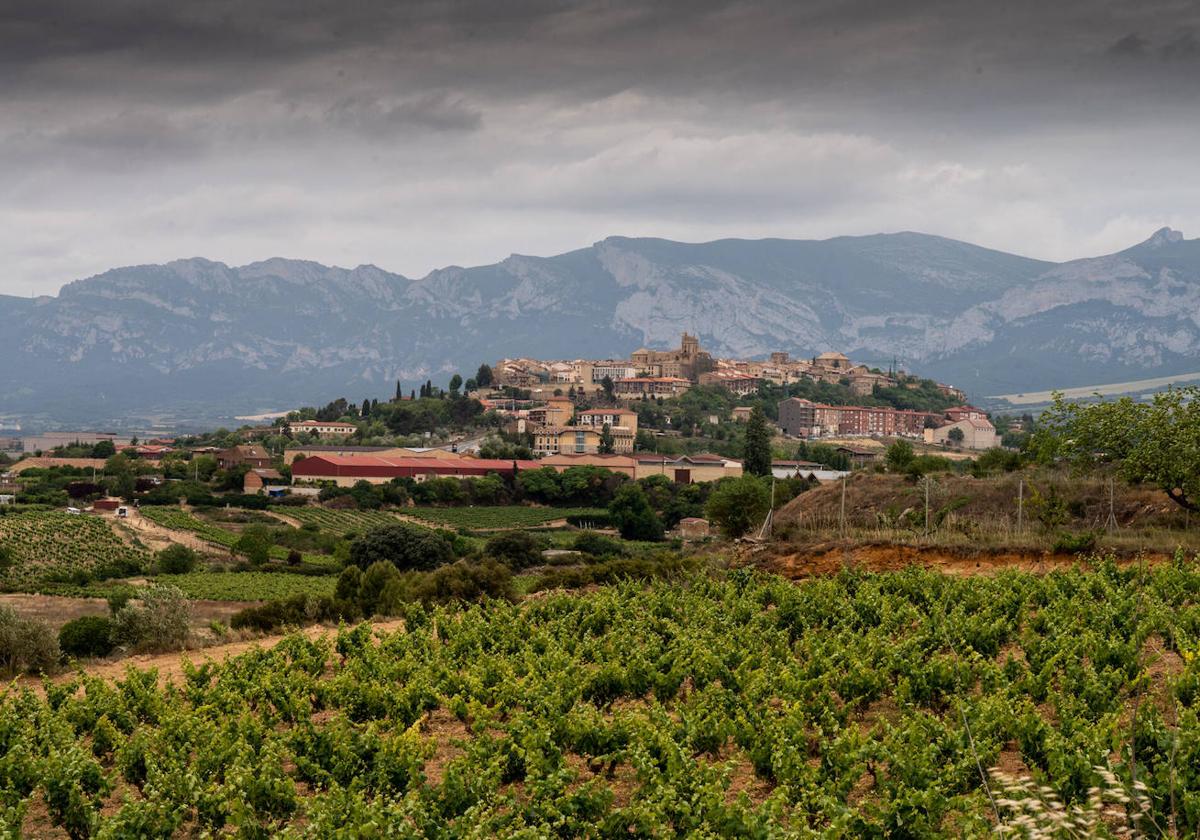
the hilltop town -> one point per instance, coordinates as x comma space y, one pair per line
631, 416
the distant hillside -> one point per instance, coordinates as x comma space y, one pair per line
200, 338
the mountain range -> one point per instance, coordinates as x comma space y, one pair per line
196, 338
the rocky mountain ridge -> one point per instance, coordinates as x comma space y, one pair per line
196, 335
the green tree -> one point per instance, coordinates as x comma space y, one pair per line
483, 376
899, 456
956, 435
104, 449
756, 457
607, 442
456, 382
738, 504
607, 384
254, 544
407, 547
1154, 443
631, 512
517, 549
176, 559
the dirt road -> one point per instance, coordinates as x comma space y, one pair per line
170, 665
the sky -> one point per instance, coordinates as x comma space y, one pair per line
415, 135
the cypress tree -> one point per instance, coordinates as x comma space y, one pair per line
756, 457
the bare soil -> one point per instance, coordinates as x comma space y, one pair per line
830, 560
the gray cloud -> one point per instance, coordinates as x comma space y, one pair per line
422, 133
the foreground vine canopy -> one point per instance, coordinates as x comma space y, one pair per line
855, 706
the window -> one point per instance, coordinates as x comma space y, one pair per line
580, 441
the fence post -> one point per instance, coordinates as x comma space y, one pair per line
1021, 506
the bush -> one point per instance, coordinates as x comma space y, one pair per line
463, 581
159, 620
597, 545
1068, 543
632, 514
89, 636
517, 549
255, 544
295, 611
407, 547
25, 644
738, 505
176, 560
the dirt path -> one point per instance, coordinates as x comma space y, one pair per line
286, 520
170, 665
158, 537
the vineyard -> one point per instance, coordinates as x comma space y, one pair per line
342, 521
54, 547
852, 706
500, 517
181, 520
248, 586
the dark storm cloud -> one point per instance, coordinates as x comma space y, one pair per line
412, 134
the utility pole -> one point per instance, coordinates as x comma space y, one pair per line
1020, 506
1111, 524
842, 516
926, 507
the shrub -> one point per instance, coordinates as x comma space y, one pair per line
463, 581
176, 560
255, 544
738, 504
89, 636
294, 558
159, 620
25, 644
517, 549
407, 547
1068, 543
597, 545
632, 514
295, 611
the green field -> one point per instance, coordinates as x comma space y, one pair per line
53, 546
862, 705
501, 517
340, 521
248, 586
181, 520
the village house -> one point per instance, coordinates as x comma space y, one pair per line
614, 418
320, 428
977, 433
741, 413
252, 456
738, 384
257, 481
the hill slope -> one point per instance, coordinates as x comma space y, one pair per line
200, 337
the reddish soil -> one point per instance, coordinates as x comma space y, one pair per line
887, 558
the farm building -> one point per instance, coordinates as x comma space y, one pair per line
345, 471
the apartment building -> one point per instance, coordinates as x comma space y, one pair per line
614, 418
